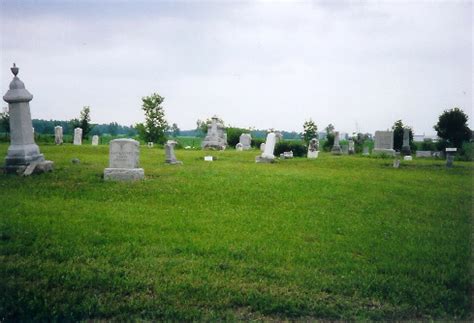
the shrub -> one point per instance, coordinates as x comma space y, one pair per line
256, 142
298, 148
327, 146
467, 151
233, 135
428, 144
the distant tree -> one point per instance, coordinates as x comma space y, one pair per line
310, 131
84, 122
113, 128
155, 125
327, 146
233, 135
329, 129
175, 130
452, 127
398, 129
5, 121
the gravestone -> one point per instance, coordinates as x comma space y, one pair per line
246, 140
406, 150
239, 147
345, 149
407, 158
313, 148
450, 156
78, 136
383, 143
423, 153
169, 152
267, 155
286, 155
216, 137
351, 147
396, 163
262, 147
58, 135
336, 148
95, 140
150, 144
365, 151
208, 158
124, 159
23, 150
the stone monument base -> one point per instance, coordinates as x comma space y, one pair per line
313, 154
406, 151
39, 167
260, 159
173, 162
336, 150
388, 152
124, 174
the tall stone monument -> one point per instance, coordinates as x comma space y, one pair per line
216, 137
384, 143
313, 148
336, 148
95, 140
124, 159
267, 155
246, 140
78, 136
351, 147
406, 142
23, 152
58, 135
169, 152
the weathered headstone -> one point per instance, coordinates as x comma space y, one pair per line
423, 153
124, 161
286, 155
396, 163
406, 150
351, 147
208, 158
95, 140
169, 152
58, 135
216, 137
384, 143
150, 144
246, 140
78, 136
23, 150
365, 151
336, 148
313, 148
267, 155
407, 158
239, 147
450, 156
262, 147
345, 149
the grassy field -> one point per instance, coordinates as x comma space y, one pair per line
334, 238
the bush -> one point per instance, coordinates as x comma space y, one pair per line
327, 146
467, 151
428, 144
298, 148
233, 135
256, 142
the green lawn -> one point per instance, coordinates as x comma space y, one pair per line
334, 238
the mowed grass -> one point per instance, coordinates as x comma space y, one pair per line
334, 238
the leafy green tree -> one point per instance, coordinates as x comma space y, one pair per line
310, 130
5, 121
452, 127
233, 135
329, 129
84, 122
327, 146
155, 125
175, 130
112, 128
398, 129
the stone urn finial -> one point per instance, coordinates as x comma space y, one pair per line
14, 69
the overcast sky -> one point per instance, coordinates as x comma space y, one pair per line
265, 64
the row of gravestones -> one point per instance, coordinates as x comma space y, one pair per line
23, 155
58, 136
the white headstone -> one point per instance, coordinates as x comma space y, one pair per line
78, 136
150, 144
246, 140
124, 161
407, 158
58, 135
423, 153
262, 147
267, 155
239, 147
208, 158
336, 148
169, 153
95, 140
313, 148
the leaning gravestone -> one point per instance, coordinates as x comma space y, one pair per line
58, 135
351, 147
336, 148
78, 136
384, 143
246, 140
313, 148
267, 155
95, 140
216, 137
124, 161
23, 152
169, 152
406, 150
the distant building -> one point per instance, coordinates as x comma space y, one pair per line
423, 137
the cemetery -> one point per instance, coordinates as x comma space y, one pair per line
138, 222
